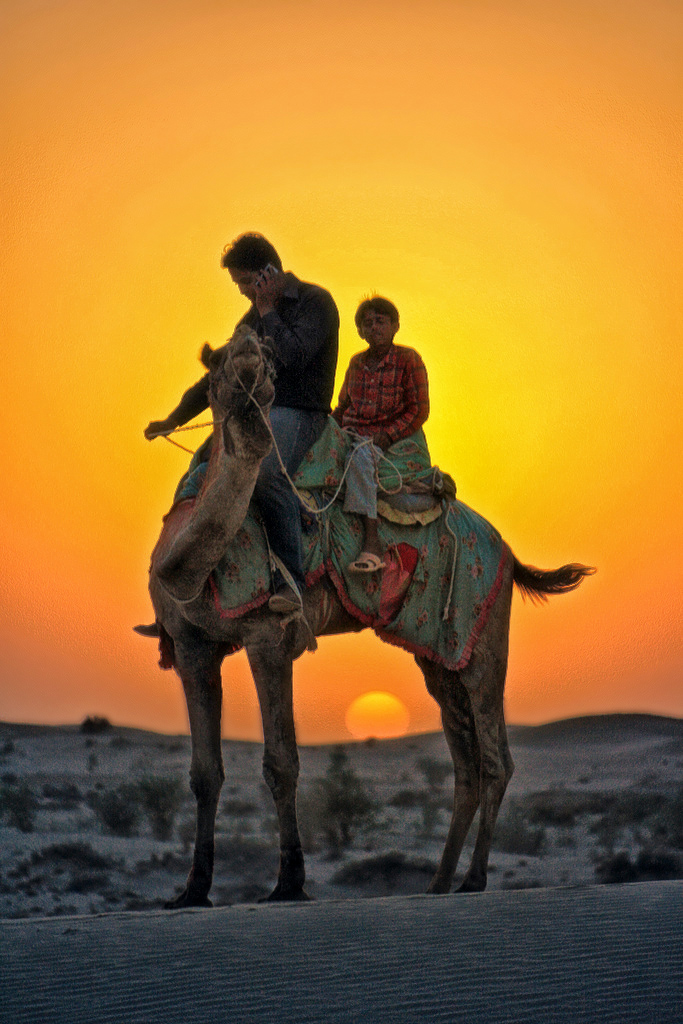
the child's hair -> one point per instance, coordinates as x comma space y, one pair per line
250, 251
378, 305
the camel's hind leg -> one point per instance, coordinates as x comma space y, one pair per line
496, 771
199, 667
271, 667
484, 680
471, 704
459, 730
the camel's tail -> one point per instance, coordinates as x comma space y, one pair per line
537, 584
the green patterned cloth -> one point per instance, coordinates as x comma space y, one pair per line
416, 602
405, 603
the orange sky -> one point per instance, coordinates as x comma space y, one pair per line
507, 172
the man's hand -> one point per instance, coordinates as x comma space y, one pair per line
268, 288
382, 440
158, 428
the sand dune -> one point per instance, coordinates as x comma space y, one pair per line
602, 954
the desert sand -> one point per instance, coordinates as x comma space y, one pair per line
608, 954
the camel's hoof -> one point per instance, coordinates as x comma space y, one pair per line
472, 885
186, 899
279, 895
438, 888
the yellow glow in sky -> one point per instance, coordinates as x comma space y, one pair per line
507, 173
378, 714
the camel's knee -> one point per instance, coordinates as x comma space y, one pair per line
206, 782
466, 789
281, 774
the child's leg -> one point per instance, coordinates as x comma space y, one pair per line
361, 494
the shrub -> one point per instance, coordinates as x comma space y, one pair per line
659, 814
94, 724
407, 798
161, 799
338, 805
387, 873
76, 854
65, 796
118, 810
247, 858
435, 772
650, 865
234, 807
562, 807
18, 805
514, 834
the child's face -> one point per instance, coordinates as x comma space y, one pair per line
378, 330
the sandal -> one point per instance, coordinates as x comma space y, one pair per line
367, 562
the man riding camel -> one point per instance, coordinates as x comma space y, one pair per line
301, 324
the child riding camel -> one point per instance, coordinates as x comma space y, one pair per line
383, 400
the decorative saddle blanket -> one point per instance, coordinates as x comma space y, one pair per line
441, 578
416, 602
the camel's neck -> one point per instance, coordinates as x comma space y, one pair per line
219, 511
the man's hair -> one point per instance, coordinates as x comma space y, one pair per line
378, 305
250, 251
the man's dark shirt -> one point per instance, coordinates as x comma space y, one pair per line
303, 333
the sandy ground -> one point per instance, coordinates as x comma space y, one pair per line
592, 800
609, 954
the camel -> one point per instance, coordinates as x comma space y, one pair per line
194, 639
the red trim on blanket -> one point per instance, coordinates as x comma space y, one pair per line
313, 577
235, 613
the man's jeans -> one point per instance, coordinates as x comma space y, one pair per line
294, 430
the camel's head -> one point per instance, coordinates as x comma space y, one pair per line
241, 389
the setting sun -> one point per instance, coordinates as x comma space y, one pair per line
377, 714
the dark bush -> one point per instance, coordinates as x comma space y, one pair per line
118, 810
94, 724
435, 772
18, 805
387, 873
559, 807
337, 806
407, 798
66, 795
247, 858
77, 854
234, 807
514, 833
161, 799
660, 814
649, 866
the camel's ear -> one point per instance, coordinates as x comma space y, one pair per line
205, 356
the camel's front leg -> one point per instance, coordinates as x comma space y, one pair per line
272, 671
199, 668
